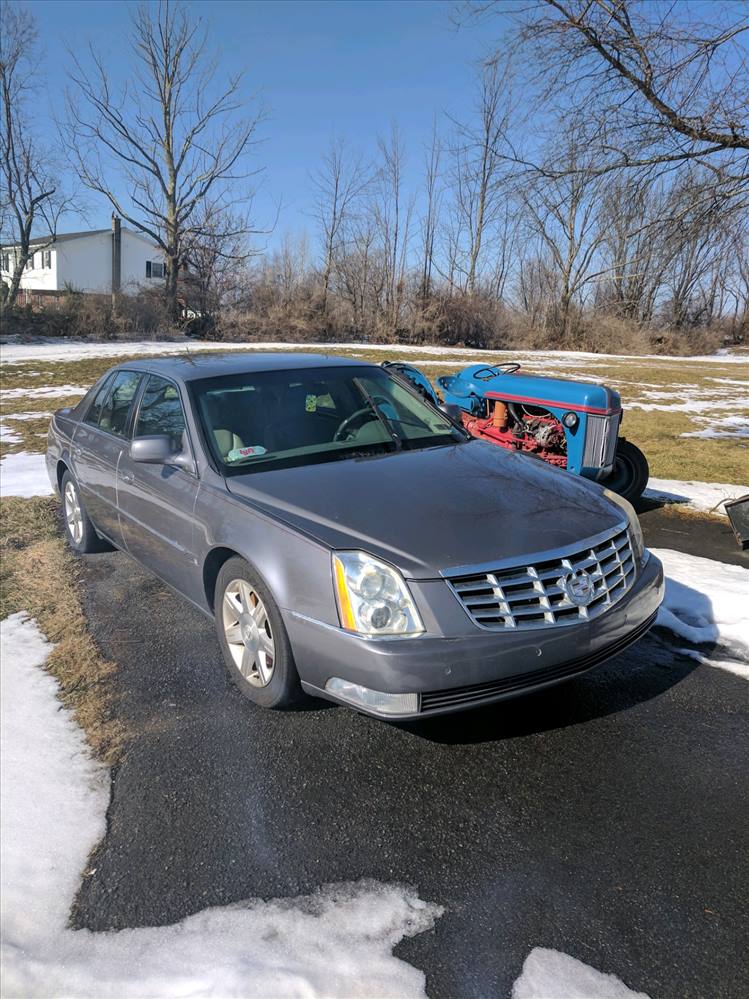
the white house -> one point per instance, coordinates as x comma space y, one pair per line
100, 261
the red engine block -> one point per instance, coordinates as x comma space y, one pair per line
488, 430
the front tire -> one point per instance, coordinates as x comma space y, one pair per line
630, 473
79, 530
253, 639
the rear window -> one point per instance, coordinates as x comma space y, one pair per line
114, 412
94, 410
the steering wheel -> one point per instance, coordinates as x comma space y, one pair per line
345, 423
486, 373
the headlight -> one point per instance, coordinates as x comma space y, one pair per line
373, 598
635, 531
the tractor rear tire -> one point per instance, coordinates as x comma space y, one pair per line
630, 473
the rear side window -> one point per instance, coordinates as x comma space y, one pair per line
94, 410
161, 411
116, 410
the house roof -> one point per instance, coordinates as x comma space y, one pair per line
63, 237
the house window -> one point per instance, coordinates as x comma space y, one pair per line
6, 261
154, 269
47, 259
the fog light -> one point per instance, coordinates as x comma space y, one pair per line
373, 700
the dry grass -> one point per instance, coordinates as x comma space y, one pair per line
685, 383
39, 575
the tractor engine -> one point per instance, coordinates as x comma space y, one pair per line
520, 427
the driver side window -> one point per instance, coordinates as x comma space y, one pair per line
161, 411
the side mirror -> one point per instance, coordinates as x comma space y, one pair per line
451, 410
157, 449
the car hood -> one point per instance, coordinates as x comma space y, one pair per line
434, 509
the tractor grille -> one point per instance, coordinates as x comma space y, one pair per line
600, 441
530, 596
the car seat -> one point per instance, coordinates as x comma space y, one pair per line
219, 413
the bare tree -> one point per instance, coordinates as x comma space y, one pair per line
430, 219
31, 199
169, 140
392, 212
560, 214
338, 184
477, 169
656, 83
215, 255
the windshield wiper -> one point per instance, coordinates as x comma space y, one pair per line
390, 429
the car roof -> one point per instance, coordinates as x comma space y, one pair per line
191, 366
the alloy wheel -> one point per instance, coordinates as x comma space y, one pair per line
73, 513
248, 633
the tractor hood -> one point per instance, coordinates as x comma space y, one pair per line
477, 381
429, 510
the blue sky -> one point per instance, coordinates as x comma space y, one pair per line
320, 68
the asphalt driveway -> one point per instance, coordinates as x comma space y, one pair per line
606, 817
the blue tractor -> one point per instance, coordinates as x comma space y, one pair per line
574, 425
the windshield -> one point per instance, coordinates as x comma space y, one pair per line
267, 419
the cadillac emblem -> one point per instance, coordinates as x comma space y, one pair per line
578, 586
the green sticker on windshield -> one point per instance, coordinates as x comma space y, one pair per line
311, 404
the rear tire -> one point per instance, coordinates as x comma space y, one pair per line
630, 473
79, 531
253, 639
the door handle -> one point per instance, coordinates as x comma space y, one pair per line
127, 477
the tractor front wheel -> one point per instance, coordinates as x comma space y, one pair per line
630, 473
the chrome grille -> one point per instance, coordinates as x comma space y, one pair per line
600, 441
530, 596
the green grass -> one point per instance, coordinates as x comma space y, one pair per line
657, 432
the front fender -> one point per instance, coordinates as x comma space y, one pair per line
295, 567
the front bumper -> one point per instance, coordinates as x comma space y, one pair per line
450, 674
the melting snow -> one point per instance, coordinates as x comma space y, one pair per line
24, 474
705, 496
691, 405
550, 974
71, 350
728, 426
44, 392
336, 942
8, 436
706, 602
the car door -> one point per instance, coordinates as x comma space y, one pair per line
156, 502
98, 444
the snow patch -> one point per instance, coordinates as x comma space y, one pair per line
550, 974
72, 350
708, 497
24, 474
7, 435
705, 602
28, 416
728, 426
44, 392
692, 405
336, 942
731, 665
